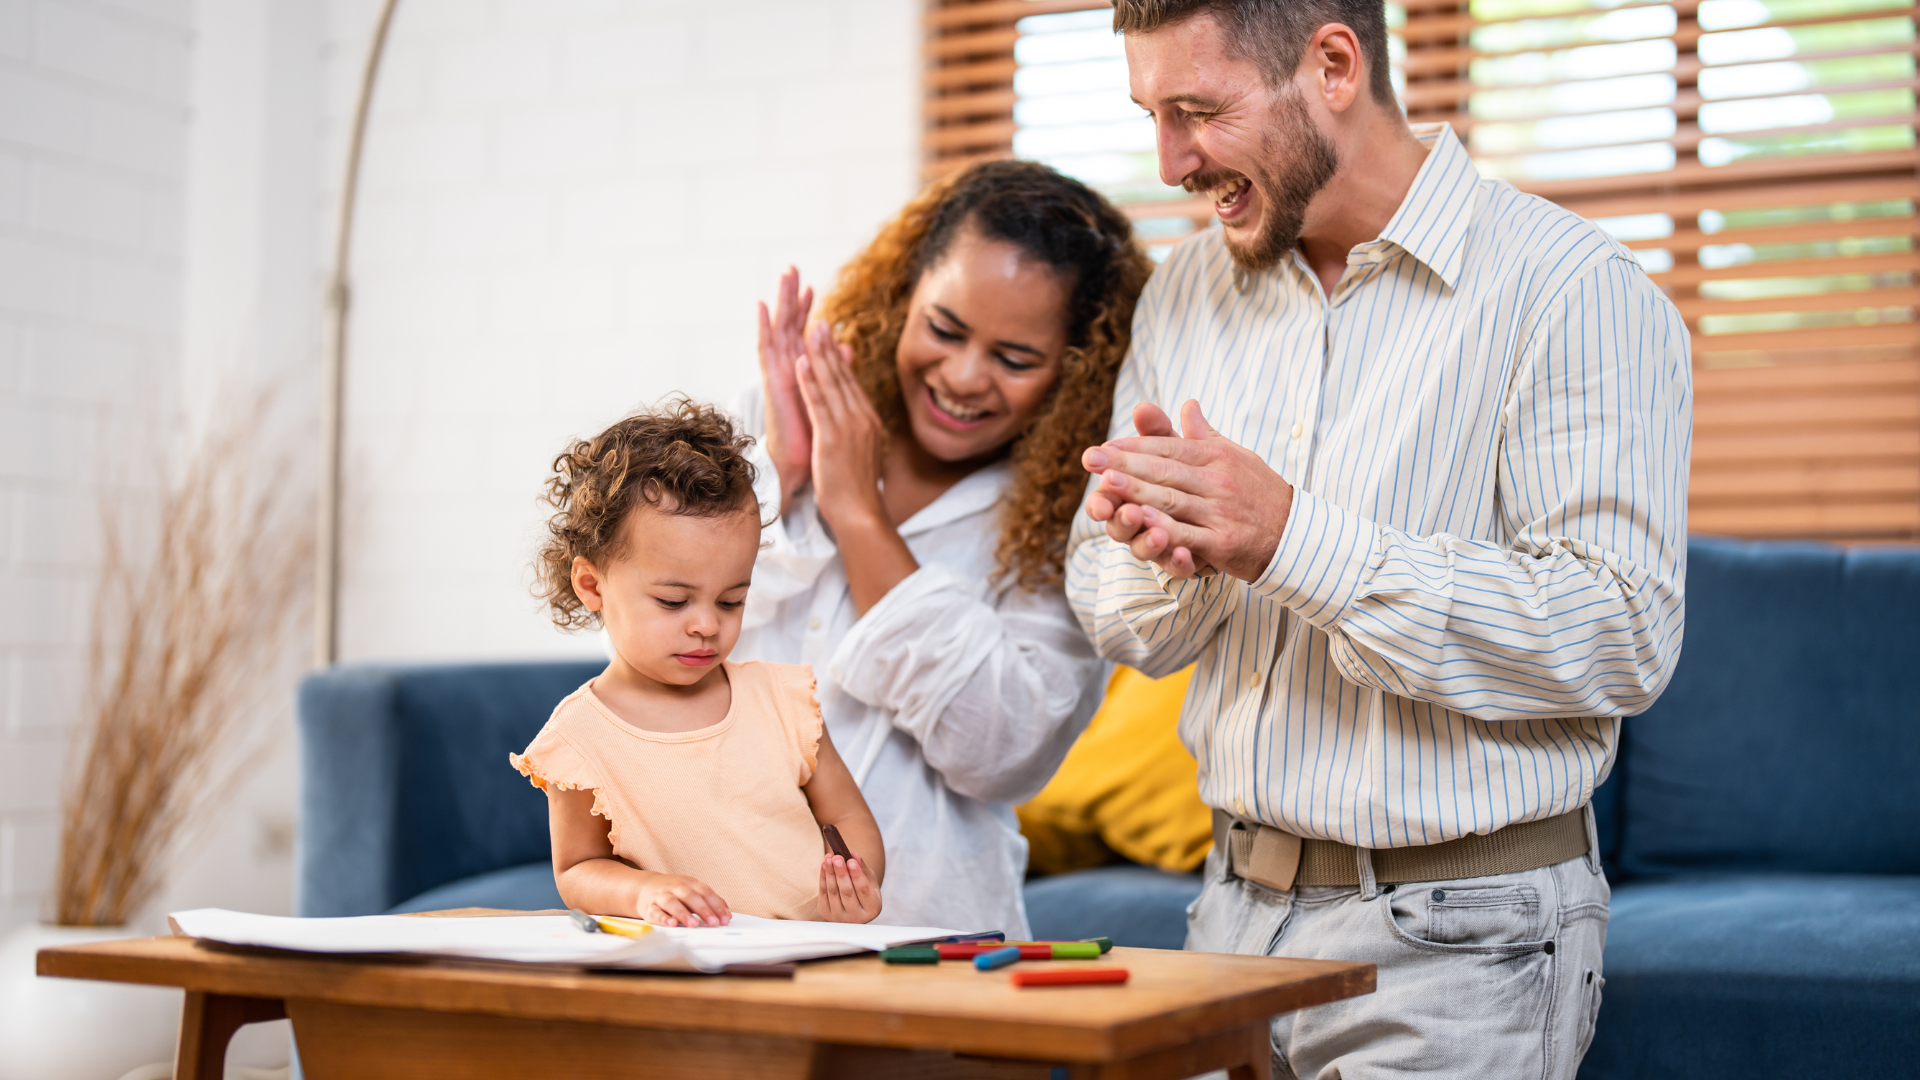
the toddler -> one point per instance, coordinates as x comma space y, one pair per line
681, 787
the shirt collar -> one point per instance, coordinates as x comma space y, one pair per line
977, 491
1431, 224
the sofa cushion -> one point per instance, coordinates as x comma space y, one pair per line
528, 887
1760, 975
458, 726
1128, 787
405, 781
1137, 906
1787, 739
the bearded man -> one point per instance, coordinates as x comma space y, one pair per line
1422, 530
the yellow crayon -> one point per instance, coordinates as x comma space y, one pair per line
614, 924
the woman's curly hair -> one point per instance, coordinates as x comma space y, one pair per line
1063, 224
683, 458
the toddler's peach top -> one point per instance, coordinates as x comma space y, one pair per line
722, 803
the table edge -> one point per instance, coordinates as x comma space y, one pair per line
1077, 1042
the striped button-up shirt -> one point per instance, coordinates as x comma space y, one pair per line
1486, 425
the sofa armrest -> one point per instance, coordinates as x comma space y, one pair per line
349, 772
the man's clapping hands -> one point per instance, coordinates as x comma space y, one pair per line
1188, 503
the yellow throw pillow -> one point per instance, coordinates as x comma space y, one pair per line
1128, 787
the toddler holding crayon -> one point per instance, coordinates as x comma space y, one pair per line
682, 787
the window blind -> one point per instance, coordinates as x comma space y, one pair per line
1757, 155
1047, 80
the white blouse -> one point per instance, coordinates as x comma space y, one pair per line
952, 699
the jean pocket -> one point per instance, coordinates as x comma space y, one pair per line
1594, 984
1496, 917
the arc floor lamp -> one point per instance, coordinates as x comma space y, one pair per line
326, 606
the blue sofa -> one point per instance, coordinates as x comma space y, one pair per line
1761, 828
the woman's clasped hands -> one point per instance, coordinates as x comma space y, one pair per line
821, 426
783, 332
849, 438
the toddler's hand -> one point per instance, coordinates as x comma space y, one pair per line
678, 900
847, 894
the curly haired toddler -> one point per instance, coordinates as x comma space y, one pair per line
682, 787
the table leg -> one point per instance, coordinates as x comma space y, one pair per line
207, 1024
1259, 1063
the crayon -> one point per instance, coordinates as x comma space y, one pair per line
608, 924
968, 952
835, 843
1075, 976
998, 958
614, 924
1105, 943
911, 954
1029, 950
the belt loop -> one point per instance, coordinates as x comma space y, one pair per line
1593, 840
1368, 887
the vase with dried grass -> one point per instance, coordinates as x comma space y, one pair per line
202, 575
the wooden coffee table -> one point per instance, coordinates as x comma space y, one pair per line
377, 1018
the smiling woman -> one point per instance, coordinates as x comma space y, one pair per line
920, 445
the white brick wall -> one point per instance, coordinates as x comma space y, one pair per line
569, 208
93, 120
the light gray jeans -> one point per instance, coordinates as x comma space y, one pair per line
1481, 979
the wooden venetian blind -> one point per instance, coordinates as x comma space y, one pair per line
1758, 156
1046, 80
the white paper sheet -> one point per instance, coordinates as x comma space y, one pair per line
554, 939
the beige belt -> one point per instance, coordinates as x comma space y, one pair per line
1280, 860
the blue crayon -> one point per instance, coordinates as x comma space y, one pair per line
998, 958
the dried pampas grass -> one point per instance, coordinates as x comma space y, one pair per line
196, 595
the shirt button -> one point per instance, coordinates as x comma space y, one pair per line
1240, 807
1253, 681
813, 623
1299, 429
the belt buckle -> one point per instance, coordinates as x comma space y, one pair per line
1273, 857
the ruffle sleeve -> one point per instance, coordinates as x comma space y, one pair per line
554, 764
795, 688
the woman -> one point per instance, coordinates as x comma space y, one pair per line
921, 445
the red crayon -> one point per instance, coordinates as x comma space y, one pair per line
1085, 976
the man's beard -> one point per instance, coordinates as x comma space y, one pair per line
1307, 161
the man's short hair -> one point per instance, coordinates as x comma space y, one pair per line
1273, 33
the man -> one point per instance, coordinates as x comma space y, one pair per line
1422, 529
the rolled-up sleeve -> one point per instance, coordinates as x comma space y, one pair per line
994, 687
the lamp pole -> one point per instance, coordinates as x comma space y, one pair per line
326, 624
